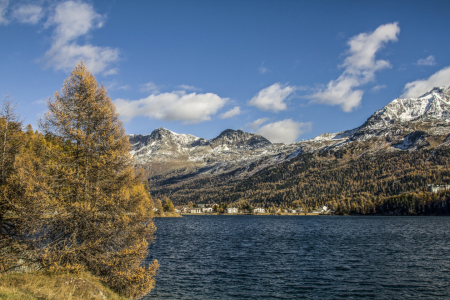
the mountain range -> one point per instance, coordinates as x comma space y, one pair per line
173, 161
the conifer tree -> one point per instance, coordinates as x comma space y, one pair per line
27, 190
159, 207
11, 142
168, 205
102, 218
10, 137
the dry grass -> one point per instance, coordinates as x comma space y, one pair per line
39, 285
168, 214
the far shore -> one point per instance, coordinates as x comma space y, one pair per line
283, 214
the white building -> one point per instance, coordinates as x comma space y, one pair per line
259, 210
436, 188
232, 210
207, 210
196, 211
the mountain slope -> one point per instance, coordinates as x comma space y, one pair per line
184, 166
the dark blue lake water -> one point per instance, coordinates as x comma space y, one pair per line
281, 257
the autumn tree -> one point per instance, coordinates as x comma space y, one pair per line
102, 217
168, 205
159, 207
11, 142
305, 208
26, 190
10, 137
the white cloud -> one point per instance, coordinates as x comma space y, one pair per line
72, 20
360, 67
419, 87
112, 71
125, 87
28, 13
3, 7
272, 98
255, 124
149, 87
262, 69
429, 61
96, 59
40, 102
175, 106
186, 87
231, 113
286, 131
114, 86
378, 87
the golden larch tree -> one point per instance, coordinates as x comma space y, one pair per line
159, 208
102, 219
11, 142
168, 205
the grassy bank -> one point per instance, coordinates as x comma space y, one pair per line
39, 285
168, 215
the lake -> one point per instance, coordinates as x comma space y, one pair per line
294, 257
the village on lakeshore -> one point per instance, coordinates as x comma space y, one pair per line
167, 209
216, 209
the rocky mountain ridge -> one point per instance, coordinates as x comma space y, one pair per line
403, 124
165, 145
427, 115
433, 105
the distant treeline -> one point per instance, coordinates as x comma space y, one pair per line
423, 204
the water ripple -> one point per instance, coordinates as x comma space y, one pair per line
272, 257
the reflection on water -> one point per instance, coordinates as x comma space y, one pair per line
281, 257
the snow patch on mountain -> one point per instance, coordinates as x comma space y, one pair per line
412, 141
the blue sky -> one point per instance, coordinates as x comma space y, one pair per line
288, 70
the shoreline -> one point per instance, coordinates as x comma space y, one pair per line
281, 215
321, 215
168, 215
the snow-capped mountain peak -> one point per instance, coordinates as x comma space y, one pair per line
163, 133
433, 105
165, 145
238, 138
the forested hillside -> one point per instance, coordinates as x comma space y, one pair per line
339, 180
